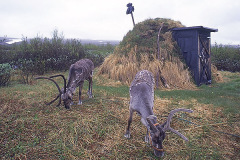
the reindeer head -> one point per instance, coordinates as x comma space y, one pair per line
157, 131
67, 98
156, 136
65, 95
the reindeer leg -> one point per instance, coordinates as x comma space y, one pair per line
80, 93
145, 124
90, 87
127, 134
147, 137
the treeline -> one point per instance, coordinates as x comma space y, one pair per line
38, 56
226, 57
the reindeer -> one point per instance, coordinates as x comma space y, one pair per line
79, 71
141, 101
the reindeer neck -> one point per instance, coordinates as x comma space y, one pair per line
146, 112
154, 122
71, 86
74, 76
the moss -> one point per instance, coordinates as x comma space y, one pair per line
144, 36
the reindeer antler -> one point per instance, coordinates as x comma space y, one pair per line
167, 125
59, 96
54, 101
64, 79
155, 130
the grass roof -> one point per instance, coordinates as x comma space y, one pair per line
138, 50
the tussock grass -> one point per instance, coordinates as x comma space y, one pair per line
31, 130
124, 68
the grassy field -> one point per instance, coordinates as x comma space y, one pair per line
31, 130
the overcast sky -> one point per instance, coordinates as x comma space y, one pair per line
107, 19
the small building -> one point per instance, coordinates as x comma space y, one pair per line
195, 45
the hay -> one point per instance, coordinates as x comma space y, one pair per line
123, 68
138, 51
216, 75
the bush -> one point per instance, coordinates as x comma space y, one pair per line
97, 53
5, 54
5, 73
38, 56
226, 57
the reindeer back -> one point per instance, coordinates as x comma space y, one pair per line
142, 91
144, 76
80, 71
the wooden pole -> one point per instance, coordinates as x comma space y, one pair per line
159, 73
158, 55
133, 19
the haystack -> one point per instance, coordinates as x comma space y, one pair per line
139, 50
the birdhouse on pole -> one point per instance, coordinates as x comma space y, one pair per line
130, 10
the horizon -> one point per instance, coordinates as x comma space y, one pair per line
11, 40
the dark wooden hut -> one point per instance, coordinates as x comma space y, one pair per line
195, 46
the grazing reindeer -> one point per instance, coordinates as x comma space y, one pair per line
141, 101
79, 71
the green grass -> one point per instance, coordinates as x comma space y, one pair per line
225, 95
31, 130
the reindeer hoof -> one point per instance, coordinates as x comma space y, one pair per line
146, 139
127, 135
89, 95
67, 107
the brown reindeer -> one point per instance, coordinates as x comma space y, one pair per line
141, 101
78, 72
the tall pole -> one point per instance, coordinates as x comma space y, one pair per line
133, 20
158, 47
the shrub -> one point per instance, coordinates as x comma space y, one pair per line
97, 53
226, 57
40, 55
5, 54
5, 73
